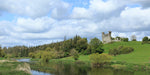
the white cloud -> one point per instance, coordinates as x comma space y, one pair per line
37, 25
112, 15
33, 8
99, 10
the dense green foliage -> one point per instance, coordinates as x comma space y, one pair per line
95, 46
145, 40
75, 54
100, 59
124, 39
2, 54
57, 50
17, 51
121, 50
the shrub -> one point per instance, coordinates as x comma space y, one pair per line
75, 54
2, 54
126, 50
114, 51
100, 59
145, 40
66, 54
121, 50
124, 39
47, 55
31, 55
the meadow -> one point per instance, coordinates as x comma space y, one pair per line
140, 55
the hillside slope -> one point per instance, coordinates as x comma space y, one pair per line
141, 54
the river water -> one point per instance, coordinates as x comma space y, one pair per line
75, 69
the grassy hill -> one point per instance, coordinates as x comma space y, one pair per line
140, 55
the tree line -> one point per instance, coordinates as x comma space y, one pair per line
74, 46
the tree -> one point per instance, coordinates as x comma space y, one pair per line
100, 59
96, 46
124, 39
145, 40
47, 55
89, 49
67, 45
2, 54
81, 45
31, 55
74, 41
75, 54
133, 38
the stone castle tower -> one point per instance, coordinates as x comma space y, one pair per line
106, 38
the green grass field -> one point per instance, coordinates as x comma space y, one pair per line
140, 55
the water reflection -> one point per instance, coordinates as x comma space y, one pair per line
23, 60
78, 69
38, 73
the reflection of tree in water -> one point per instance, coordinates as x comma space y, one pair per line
78, 69
72, 69
121, 72
100, 71
61, 69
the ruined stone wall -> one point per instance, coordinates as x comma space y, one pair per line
106, 38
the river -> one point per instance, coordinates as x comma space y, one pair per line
75, 69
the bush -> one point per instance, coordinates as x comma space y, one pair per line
145, 40
75, 54
126, 50
114, 51
31, 55
47, 55
121, 50
124, 39
66, 54
2, 54
100, 60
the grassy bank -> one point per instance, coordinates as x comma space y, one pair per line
11, 68
140, 55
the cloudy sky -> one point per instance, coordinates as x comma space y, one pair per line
35, 22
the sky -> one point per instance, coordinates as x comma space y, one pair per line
37, 22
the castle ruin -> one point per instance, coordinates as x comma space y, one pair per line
106, 38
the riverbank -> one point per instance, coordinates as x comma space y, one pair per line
9, 67
120, 65
139, 59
